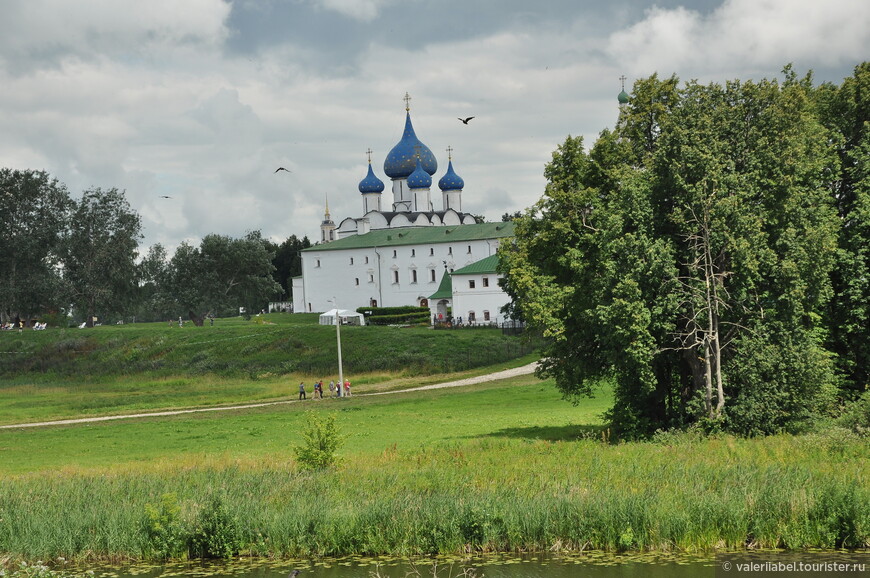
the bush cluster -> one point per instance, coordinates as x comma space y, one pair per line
214, 533
395, 315
321, 439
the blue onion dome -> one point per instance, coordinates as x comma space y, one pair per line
419, 179
402, 159
623, 97
451, 181
371, 184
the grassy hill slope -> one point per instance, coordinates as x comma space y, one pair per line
109, 370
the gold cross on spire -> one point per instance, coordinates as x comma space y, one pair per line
369, 153
449, 153
407, 100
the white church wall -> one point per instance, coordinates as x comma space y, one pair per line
399, 221
485, 297
298, 295
377, 220
346, 228
392, 276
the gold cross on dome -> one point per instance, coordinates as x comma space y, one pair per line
449, 153
407, 100
369, 153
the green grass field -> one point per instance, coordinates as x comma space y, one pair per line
500, 466
520, 407
57, 374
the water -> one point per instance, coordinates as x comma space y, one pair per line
587, 565
591, 565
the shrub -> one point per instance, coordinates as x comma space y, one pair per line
856, 415
164, 528
401, 319
405, 309
217, 533
472, 526
321, 439
395, 315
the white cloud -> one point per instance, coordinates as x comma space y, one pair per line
363, 10
149, 97
48, 32
741, 34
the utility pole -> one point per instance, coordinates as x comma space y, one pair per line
338, 340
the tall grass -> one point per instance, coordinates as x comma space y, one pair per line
485, 494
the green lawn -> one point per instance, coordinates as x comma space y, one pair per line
518, 408
58, 374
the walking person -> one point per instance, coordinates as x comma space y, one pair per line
346, 387
302, 390
331, 388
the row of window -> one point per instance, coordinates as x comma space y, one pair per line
414, 253
432, 278
472, 316
471, 282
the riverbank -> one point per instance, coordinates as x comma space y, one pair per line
497, 467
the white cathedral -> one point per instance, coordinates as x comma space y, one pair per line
410, 254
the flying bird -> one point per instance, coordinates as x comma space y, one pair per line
165, 197
282, 169
465, 120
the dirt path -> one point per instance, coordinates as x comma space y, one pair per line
507, 373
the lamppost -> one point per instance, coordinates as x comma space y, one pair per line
338, 340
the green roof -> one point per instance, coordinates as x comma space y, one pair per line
419, 236
445, 289
486, 265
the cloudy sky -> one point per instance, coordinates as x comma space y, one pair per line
201, 100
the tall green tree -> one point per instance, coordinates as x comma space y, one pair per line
845, 111
35, 213
687, 255
153, 302
221, 275
287, 262
99, 253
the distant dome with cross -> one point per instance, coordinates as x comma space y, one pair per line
402, 159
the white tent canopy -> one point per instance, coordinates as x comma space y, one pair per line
347, 317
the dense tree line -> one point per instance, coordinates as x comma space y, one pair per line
710, 253
60, 256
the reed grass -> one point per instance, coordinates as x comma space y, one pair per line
476, 495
